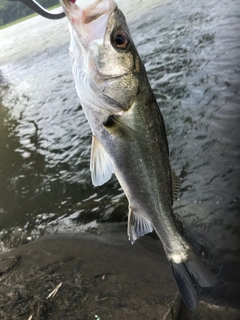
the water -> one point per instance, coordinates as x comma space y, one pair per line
191, 53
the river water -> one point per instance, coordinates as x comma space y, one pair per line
191, 50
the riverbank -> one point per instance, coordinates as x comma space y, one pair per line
94, 277
87, 277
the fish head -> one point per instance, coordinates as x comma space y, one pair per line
103, 51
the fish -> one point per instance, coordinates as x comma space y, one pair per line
128, 133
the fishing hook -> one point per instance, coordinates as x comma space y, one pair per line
35, 6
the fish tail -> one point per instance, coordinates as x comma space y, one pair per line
189, 275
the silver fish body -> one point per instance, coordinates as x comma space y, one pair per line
129, 137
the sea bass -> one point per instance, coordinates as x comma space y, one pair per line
128, 132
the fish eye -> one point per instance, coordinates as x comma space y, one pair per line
120, 39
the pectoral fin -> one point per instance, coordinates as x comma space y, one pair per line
101, 166
176, 185
137, 226
116, 127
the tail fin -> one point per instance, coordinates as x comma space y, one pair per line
189, 275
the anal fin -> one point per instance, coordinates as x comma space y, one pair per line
101, 166
137, 226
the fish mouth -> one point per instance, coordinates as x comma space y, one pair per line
89, 21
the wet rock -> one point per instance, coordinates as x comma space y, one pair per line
208, 311
88, 277
8, 263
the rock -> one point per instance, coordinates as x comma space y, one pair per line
88, 277
207, 311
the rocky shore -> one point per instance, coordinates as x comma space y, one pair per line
93, 277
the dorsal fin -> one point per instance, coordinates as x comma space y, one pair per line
176, 185
137, 226
101, 166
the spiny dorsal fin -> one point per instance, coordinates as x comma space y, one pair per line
137, 226
101, 166
176, 185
